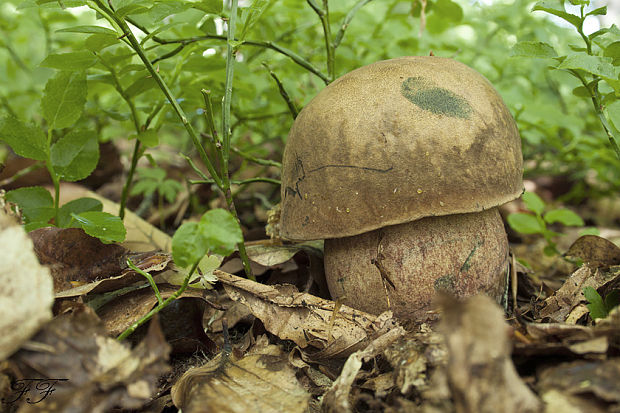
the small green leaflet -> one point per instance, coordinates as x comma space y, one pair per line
533, 49
75, 155
597, 65
88, 29
525, 223
565, 217
557, 10
107, 227
533, 202
63, 99
251, 15
27, 141
188, 244
598, 307
35, 202
217, 232
77, 206
209, 6
70, 61
98, 42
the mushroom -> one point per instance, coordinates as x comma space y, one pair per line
400, 166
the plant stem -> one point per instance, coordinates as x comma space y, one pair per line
258, 161
596, 102
148, 276
283, 93
327, 34
160, 306
240, 182
347, 20
53, 175
135, 45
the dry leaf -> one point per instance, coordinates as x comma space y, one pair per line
26, 288
337, 330
151, 262
558, 307
584, 378
262, 381
337, 397
480, 373
595, 251
94, 372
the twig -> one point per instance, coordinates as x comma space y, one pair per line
283, 93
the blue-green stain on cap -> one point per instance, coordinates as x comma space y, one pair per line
438, 100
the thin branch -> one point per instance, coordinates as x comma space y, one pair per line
347, 20
291, 105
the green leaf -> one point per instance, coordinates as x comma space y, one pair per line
209, 6
251, 15
557, 10
595, 303
533, 202
70, 61
565, 217
613, 111
88, 29
525, 223
597, 65
169, 189
533, 49
140, 86
107, 227
75, 155
601, 11
149, 138
221, 230
35, 202
145, 187
98, 42
63, 99
136, 8
77, 206
188, 244
26, 141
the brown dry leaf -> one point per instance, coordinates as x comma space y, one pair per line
26, 288
336, 330
595, 251
100, 372
337, 397
270, 255
559, 306
480, 374
583, 379
150, 262
262, 381
413, 356
73, 255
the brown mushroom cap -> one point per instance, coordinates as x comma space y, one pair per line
396, 141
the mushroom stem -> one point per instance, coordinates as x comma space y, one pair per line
402, 267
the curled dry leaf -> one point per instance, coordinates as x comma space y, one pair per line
336, 330
595, 251
26, 295
582, 379
95, 372
569, 296
262, 381
480, 374
337, 397
151, 262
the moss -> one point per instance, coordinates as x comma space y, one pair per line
437, 100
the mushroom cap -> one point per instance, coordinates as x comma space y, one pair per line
396, 141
